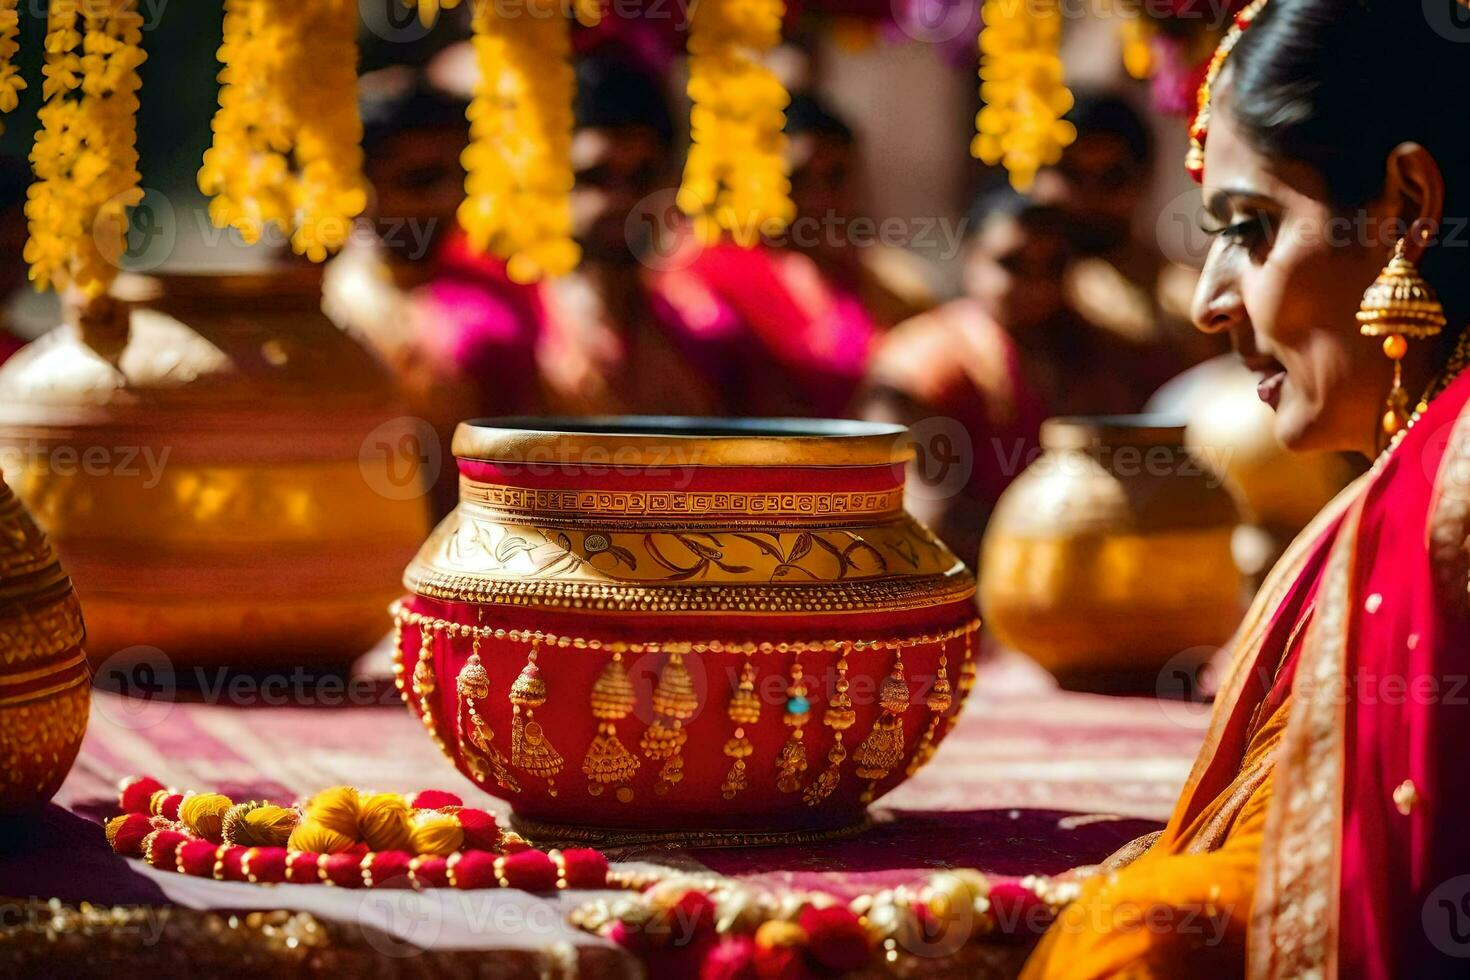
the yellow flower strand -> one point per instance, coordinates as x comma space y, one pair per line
330, 189
1137, 33
11, 83
518, 169
1021, 125
735, 176
85, 159
286, 149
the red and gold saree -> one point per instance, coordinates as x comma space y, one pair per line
1322, 830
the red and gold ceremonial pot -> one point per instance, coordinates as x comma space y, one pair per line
699, 630
45, 689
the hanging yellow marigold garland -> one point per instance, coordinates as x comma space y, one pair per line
10, 81
518, 171
429, 9
735, 177
286, 149
85, 159
1021, 125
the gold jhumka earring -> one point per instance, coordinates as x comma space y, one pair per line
530, 749
1400, 304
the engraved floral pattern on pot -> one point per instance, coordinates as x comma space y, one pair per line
475, 544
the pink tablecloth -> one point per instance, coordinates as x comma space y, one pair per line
1032, 780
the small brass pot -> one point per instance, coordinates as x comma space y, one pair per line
1110, 556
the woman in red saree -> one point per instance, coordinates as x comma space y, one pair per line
1322, 833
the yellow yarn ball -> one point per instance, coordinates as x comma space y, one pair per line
383, 821
318, 839
111, 828
436, 833
262, 825
336, 809
204, 814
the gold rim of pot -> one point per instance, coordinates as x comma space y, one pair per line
665, 441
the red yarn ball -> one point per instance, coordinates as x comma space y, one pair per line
268, 865
232, 863
1019, 913
343, 869
303, 867
584, 868
781, 963
433, 799
624, 935
389, 869
169, 807
431, 871
133, 794
130, 833
732, 959
835, 938
693, 914
474, 869
481, 832
531, 871
161, 847
196, 857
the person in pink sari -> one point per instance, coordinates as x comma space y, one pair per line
1321, 832
803, 332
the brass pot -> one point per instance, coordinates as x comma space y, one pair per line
45, 688
1110, 555
220, 471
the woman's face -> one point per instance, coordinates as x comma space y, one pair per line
1285, 276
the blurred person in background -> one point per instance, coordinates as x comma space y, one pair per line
832, 230
1120, 280
15, 178
617, 337
795, 299
459, 335
999, 360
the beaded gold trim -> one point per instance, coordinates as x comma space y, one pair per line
870, 596
406, 617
